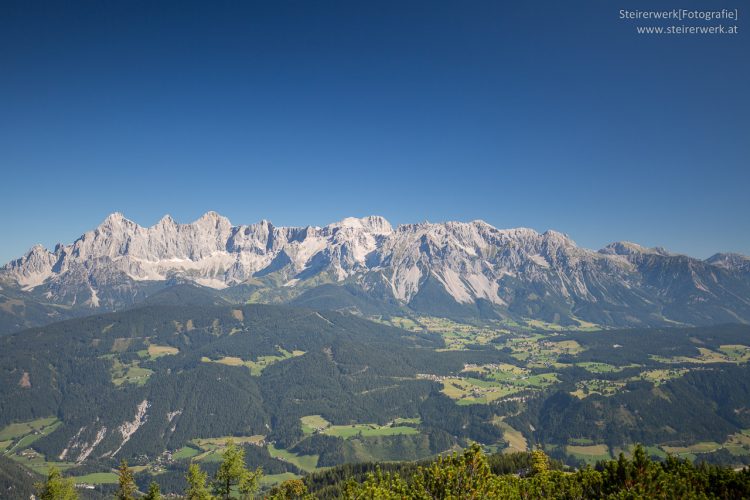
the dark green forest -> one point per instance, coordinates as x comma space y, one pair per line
162, 385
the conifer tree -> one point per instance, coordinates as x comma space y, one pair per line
57, 487
291, 489
539, 462
196, 479
233, 473
126, 483
154, 493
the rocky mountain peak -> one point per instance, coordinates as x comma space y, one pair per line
167, 220
518, 271
730, 261
115, 220
628, 248
373, 224
33, 268
213, 219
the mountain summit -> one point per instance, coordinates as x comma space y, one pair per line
453, 269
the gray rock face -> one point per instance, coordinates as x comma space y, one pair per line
731, 261
518, 272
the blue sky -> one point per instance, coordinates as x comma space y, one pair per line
542, 114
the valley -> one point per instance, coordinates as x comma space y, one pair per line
305, 390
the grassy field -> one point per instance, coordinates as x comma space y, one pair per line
594, 367
702, 447
307, 463
209, 456
21, 429
589, 453
520, 377
226, 360
538, 381
18, 436
212, 449
658, 377
500, 372
725, 354
221, 442
37, 462
129, 373
155, 351
533, 343
256, 367
368, 430
414, 421
185, 452
539, 350
535, 325
736, 352
313, 423
739, 444
456, 335
515, 440
582, 326
274, 479
566, 346
97, 478
586, 388
655, 451
505, 380
399, 426
468, 391
580, 441
383, 449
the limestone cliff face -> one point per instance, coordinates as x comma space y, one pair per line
519, 270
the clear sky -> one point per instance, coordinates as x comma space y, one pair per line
545, 114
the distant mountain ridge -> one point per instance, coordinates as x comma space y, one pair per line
453, 269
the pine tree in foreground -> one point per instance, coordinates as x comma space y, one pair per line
232, 479
154, 493
196, 480
291, 489
56, 487
125, 483
468, 476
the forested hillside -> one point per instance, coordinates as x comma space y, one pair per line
301, 390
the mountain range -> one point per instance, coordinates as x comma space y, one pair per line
464, 270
